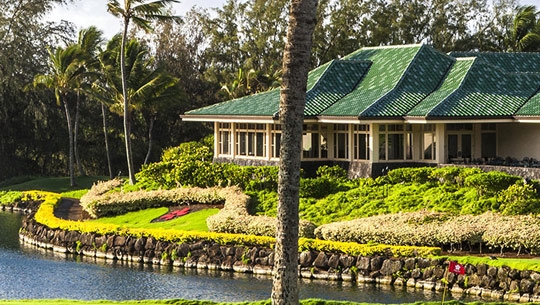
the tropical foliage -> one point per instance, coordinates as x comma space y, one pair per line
211, 56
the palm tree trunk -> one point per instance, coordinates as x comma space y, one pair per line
127, 113
150, 139
105, 134
292, 102
71, 143
75, 133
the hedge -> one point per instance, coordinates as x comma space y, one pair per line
45, 216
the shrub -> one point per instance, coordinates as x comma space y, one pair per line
235, 218
519, 199
491, 182
332, 172
9, 197
453, 174
410, 175
317, 187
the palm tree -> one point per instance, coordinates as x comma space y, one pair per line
526, 29
142, 13
89, 42
150, 89
296, 59
67, 69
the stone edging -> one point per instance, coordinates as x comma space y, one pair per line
494, 283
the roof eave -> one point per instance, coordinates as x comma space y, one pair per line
458, 119
227, 118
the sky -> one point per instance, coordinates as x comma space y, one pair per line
84, 13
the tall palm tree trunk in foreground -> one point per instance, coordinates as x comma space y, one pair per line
296, 60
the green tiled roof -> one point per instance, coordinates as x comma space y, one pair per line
389, 65
326, 84
408, 81
423, 75
338, 80
486, 91
509, 62
451, 83
531, 108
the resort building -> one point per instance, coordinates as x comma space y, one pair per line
385, 107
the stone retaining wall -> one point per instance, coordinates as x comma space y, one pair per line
492, 283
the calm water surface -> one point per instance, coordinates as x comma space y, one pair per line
30, 273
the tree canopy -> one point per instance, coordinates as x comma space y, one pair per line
200, 58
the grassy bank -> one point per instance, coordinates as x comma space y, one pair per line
195, 221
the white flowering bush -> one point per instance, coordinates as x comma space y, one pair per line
99, 203
496, 231
235, 218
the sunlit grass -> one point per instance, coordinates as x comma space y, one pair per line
532, 264
195, 221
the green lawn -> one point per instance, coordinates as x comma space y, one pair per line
195, 221
532, 264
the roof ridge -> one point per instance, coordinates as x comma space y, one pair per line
454, 92
394, 46
328, 70
400, 81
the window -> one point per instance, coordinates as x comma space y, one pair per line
489, 140
361, 142
429, 142
310, 141
276, 140
314, 142
341, 141
395, 142
224, 139
251, 141
459, 141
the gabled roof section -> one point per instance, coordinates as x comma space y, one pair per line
531, 107
484, 91
326, 84
451, 84
261, 104
509, 62
338, 80
423, 75
389, 64
400, 77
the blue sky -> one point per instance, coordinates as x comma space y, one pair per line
85, 13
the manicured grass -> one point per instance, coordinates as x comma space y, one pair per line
532, 264
55, 184
195, 221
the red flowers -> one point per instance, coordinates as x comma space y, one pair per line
174, 214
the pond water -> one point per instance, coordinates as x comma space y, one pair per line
30, 273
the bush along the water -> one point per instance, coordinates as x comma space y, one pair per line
45, 216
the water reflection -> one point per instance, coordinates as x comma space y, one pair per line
28, 272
